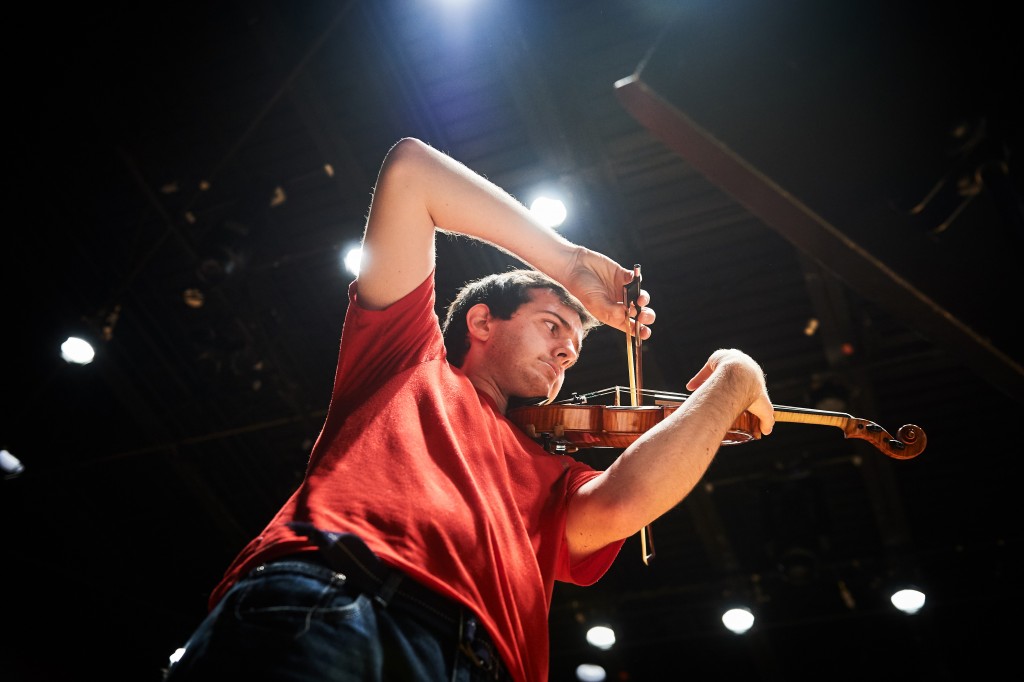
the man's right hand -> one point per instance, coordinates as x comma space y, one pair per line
598, 282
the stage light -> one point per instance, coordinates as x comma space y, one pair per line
353, 257
588, 672
10, 465
549, 211
601, 637
738, 620
77, 351
908, 600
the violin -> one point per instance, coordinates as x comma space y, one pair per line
566, 426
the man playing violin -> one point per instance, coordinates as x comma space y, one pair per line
428, 532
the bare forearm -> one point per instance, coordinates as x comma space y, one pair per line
461, 201
657, 472
654, 474
420, 189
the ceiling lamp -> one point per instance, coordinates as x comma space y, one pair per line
738, 620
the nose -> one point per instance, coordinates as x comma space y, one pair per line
567, 353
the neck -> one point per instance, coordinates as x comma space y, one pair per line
485, 384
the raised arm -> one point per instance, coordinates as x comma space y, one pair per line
661, 467
420, 189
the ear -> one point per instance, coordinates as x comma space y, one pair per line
478, 322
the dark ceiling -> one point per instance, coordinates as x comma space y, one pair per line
834, 191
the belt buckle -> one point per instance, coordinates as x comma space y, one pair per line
482, 655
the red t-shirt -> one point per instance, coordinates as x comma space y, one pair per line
427, 471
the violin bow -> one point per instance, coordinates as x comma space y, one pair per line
634, 361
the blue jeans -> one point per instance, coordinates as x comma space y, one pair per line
303, 622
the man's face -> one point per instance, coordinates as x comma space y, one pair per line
530, 352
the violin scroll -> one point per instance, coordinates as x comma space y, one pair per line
909, 442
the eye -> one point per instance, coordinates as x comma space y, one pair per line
552, 326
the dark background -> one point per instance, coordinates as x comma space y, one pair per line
833, 189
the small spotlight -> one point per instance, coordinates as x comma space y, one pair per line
10, 465
77, 351
176, 656
588, 672
601, 637
908, 600
549, 211
352, 260
738, 620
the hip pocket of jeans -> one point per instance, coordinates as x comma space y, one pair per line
294, 600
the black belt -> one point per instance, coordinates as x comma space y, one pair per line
348, 554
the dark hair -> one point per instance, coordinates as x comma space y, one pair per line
503, 293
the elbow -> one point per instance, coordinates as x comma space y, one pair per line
400, 171
405, 166
407, 151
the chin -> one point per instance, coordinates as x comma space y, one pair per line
537, 393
